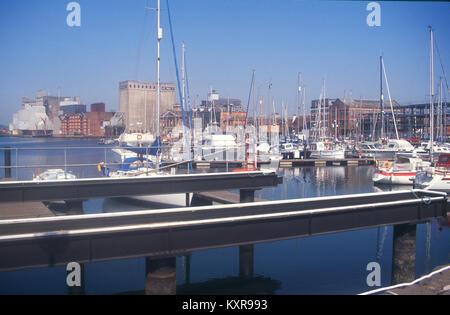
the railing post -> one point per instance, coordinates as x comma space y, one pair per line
65, 162
404, 253
7, 152
246, 195
160, 276
17, 163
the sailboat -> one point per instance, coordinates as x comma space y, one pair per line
406, 162
322, 147
437, 177
141, 166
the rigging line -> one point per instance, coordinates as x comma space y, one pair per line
190, 118
141, 40
177, 73
390, 100
188, 96
249, 97
442, 65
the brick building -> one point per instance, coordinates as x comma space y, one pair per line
74, 125
86, 124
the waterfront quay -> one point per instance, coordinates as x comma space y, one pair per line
251, 222
282, 163
161, 235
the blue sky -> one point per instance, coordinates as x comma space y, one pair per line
225, 41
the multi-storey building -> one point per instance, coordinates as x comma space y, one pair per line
74, 125
137, 100
40, 116
351, 118
415, 118
86, 123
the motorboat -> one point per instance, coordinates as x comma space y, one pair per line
105, 141
219, 147
437, 177
54, 174
326, 150
423, 150
291, 150
386, 149
364, 150
401, 171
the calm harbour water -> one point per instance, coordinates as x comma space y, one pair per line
326, 264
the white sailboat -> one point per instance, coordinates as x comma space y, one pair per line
141, 166
437, 177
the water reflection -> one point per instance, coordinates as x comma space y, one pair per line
307, 182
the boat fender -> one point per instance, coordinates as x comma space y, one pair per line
102, 169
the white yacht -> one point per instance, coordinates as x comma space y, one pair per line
54, 174
326, 150
402, 171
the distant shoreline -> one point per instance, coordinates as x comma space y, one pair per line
56, 137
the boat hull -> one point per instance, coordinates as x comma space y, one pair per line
439, 182
393, 178
338, 154
173, 200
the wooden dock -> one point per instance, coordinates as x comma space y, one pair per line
325, 162
24, 210
284, 163
159, 234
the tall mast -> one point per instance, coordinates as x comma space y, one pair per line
299, 92
304, 110
319, 127
183, 80
440, 134
269, 96
158, 83
325, 110
381, 98
431, 95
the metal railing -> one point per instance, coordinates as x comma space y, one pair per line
23, 159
